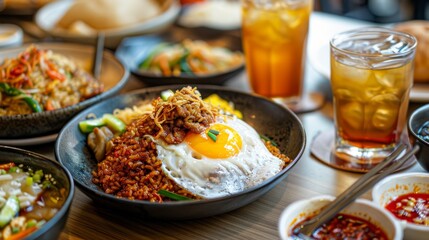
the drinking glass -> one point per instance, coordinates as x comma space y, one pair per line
371, 78
274, 34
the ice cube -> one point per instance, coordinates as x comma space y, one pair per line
384, 118
386, 99
353, 114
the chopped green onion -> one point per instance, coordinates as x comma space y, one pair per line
29, 181
31, 223
215, 132
266, 139
165, 95
212, 136
171, 195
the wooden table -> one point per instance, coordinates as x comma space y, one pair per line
257, 220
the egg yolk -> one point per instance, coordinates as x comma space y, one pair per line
228, 142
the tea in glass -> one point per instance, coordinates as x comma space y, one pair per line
371, 78
274, 36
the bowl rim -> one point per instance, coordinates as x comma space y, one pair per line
376, 194
108, 54
169, 13
286, 211
419, 110
67, 203
100, 193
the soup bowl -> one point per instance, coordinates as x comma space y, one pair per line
266, 117
53, 227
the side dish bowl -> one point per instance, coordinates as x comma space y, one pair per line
399, 184
52, 228
135, 50
285, 129
114, 76
417, 119
362, 208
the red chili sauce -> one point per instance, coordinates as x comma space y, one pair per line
412, 207
345, 226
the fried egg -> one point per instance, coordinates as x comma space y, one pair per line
237, 160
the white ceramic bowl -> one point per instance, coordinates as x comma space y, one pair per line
365, 209
47, 17
399, 184
10, 35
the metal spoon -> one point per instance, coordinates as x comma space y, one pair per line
98, 55
355, 190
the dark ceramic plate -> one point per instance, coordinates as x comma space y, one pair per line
52, 228
416, 121
265, 116
135, 49
114, 75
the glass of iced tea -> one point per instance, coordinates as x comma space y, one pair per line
274, 36
371, 78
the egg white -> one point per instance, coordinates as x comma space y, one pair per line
211, 178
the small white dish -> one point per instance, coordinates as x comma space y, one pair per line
362, 208
399, 184
10, 35
219, 15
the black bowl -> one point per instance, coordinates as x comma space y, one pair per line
132, 51
267, 117
52, 228
114, 75
415, 122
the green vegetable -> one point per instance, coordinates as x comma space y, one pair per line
13, 169
108, 120
37, 176
114, 123
9, 210
171, 195
29, 181
33, 104
184, 66
212, 136
166, 94
215, 132
266, 139
31, 223
11, 91
146, 63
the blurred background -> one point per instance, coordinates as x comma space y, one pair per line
379, 11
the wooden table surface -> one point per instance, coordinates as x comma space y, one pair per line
257, 220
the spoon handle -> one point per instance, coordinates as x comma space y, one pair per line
98, 55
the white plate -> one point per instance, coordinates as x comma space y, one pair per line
29, 141
220, 15
320, 60
47, 17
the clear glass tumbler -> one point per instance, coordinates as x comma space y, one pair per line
274, 36
371, 78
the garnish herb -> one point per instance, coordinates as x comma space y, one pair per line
215, 132
212, 136
172, 196
266, 139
